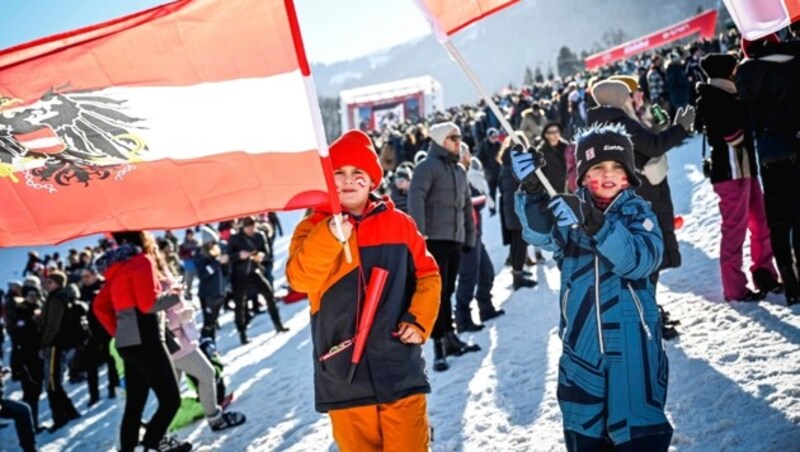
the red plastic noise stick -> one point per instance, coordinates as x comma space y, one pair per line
377, 279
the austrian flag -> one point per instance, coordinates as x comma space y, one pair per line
195, 111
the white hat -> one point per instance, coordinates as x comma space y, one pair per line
440, 132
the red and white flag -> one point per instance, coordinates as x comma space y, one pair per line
195, 111
758, 18
448, 17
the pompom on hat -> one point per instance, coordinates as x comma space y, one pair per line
355, 148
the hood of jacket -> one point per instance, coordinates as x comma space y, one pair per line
438, 151
109, 263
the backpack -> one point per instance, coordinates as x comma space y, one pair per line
75, 326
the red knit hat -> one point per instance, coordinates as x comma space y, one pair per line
355, 148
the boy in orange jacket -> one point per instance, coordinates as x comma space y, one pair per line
384, 407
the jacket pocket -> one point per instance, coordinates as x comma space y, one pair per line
640, 309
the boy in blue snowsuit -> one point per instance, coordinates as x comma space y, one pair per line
613, 371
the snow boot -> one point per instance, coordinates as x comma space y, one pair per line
521, 281
173, 444
243, 338
468, 326
439, 357
225, 419
765, 282
669, 332
491, 315
752, 297
453, 346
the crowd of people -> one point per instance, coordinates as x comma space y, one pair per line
414, 194
67, 318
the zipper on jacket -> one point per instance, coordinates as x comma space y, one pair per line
564, 312
641, 312
597, 304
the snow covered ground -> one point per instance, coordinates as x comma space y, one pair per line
734, 371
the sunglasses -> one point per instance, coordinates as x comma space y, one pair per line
454, 137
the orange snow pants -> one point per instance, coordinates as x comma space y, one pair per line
396, 426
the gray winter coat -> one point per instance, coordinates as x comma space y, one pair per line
439, 198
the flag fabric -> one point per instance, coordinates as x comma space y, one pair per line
758, 18
703, 23
448, 17
190, 112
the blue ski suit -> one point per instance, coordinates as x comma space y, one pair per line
613, 371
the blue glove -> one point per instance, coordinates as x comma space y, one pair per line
564, 214
524, 165
570, 210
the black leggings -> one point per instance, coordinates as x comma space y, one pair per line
96, 355
519, 250
211, 307
147, 366
261, 285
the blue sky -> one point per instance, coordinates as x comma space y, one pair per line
333, 30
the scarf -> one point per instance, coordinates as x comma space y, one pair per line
723, 84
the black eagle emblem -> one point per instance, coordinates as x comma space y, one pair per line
67, 137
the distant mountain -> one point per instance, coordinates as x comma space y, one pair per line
500, 47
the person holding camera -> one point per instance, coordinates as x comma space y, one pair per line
247, 252
734, 175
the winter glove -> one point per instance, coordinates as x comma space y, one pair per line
524, 165
571, 210
466, 248
684, 117
492, 211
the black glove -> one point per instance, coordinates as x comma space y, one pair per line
466, 248
570, 210
524, 165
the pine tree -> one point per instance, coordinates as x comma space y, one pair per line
537, 76
567, 62
527, 80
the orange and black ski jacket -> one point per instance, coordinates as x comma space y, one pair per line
382, 237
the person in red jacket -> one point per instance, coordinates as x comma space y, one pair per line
384, 406
130, 307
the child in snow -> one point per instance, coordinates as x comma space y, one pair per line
384, 406
612, 381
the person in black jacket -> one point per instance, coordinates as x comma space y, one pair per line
554, 149
97, 348
734, 175
767, 81
615, 105
52, 326
247, 252
439, 202
487, 154
211, 270
508, 186
26, 339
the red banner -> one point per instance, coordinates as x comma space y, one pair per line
186, 113
703, 23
